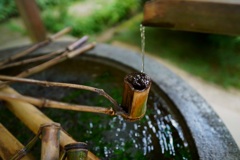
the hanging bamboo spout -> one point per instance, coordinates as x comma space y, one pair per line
135, 95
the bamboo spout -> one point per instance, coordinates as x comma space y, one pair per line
135, 95
194, 15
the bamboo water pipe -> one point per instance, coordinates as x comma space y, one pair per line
33, 118
207, 16
50, 141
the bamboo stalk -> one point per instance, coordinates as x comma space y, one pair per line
60, 33
50, 141
36, 46
23, 152
75, 151
31, 60
9, 145
25, 52
69, 48
66, 55
55, 104
77, 44
33, 118
66, 85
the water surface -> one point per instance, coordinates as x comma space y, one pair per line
156, 136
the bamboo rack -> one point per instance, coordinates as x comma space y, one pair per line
9, 145
23, 107
29, 114
36, 118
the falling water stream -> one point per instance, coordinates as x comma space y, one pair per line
142, 32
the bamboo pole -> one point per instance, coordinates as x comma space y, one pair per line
31, 60
9, 145
33, 118
65, 85
57, 105
50, 141
69, 48
23, 152
76, 151
66, 55
35, 46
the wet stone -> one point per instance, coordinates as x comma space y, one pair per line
138, 80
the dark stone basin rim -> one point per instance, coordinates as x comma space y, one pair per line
211, 137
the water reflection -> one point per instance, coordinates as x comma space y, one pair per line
156, 136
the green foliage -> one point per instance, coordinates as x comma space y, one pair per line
8, 8
44, 4
55, 14
98, 20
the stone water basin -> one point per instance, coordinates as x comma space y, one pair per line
179, 124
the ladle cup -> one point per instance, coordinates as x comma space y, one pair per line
135, 95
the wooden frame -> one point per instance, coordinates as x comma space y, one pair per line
32, 20
208, 16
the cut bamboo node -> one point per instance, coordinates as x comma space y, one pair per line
51, 124
50, 141
75, 151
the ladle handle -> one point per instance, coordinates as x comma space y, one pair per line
60, 33
77, 44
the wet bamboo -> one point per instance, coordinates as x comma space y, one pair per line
75, 151
23, 152
33, 118
69, 48
50, 141
55, 104
135, 95
66, 85
36, 46
9, 145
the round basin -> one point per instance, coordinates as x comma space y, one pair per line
179, 124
